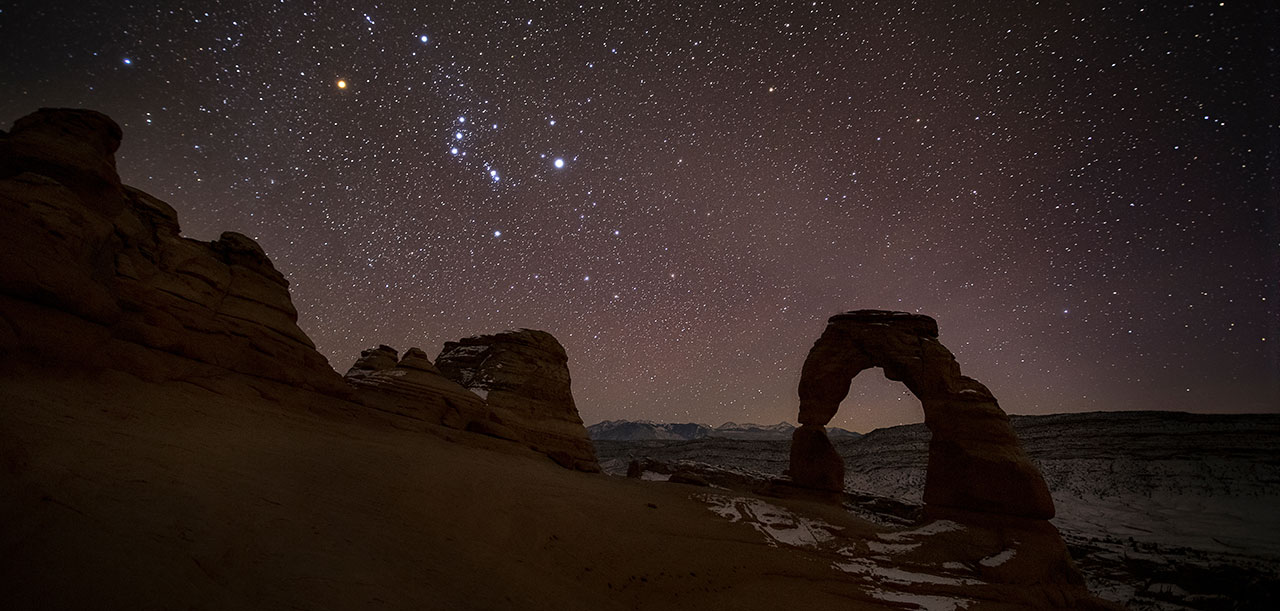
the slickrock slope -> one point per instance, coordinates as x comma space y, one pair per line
117, 494
632, 430
524, 377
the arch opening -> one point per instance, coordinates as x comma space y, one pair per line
876, 402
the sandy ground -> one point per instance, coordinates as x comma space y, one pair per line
120, 494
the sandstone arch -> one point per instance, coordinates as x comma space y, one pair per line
975, 460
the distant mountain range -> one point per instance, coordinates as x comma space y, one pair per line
643, 430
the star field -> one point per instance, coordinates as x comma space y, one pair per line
1082, 196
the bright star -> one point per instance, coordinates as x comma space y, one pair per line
453, 151
462, 119
553, 121
559, 163
497, 233
457, 135
342, 84
423, 38
127, 61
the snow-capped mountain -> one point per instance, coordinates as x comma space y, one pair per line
642, 430
645, 430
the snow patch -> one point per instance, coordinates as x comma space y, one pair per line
932, 528
998, 559
483, 393
921, 601
779, 525
650, 476
885, 574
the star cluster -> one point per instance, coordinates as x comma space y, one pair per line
1083, 195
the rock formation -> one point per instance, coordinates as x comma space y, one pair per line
524, 378
413, 387
975, 461
512, 386
98, 273
100, 276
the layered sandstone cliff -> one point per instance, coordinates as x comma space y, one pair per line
96, 273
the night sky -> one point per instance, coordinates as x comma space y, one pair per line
1083, 195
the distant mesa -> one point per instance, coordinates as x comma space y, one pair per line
645, 430
975, 460
101, 277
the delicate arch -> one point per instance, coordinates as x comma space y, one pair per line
975, 460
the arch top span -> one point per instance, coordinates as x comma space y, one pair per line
975, 460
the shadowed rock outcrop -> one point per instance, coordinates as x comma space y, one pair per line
524, 378
98, 273
975, 461
512, 386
